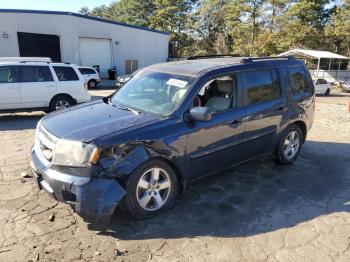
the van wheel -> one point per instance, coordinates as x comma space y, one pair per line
92, 84
328, 92
151, 189
61, 102
288, 148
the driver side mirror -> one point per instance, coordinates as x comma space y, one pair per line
200, 114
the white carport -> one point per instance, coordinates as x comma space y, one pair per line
315, 54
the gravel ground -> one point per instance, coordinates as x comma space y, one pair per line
256, 212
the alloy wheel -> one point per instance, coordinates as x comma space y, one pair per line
153, 189
61, 104
291, 145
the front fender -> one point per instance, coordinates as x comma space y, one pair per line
123, 164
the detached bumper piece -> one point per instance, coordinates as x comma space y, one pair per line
93, 199
97, 200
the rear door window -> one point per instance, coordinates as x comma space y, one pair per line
36, 74
258, 86
298, 80
66, 73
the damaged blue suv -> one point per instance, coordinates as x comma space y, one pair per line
169, 125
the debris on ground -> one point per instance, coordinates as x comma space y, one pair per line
52, 217
119, 253
97, 253
25, 175
35, 256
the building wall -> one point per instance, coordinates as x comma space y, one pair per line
127, 43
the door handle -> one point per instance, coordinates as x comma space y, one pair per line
281, 108
236, 123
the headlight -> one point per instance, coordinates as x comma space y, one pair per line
75, 153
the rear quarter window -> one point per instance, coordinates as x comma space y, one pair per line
66, 73
87, 71
298, 80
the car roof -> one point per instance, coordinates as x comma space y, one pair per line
87, 67
195, 67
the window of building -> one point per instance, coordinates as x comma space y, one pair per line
36, 74
131, 66
9, 74
297, 79
258, 86
65, 73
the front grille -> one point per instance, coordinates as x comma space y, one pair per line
45, 143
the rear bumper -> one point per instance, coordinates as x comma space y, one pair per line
93, 199
346, 88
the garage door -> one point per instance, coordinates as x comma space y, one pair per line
39, 45
96, 51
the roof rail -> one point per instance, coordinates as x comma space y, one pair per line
28, 61
252, 59
211, 56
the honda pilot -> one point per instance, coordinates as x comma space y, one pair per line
169, 125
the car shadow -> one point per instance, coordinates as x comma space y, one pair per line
19, 121
254, 198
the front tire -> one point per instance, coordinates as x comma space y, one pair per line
328, 92
92, 84
61, 102
151, 189
289, 146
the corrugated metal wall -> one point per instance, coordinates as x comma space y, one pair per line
127, 43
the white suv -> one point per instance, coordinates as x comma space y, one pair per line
90, 75
46, 86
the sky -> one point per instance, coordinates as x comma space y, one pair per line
54, 5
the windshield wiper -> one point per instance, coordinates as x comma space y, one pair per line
130, 110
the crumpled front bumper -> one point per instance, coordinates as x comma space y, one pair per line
93, 199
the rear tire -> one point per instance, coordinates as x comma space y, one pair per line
147, 196
92, 84
328, 92
60, 102
289, 146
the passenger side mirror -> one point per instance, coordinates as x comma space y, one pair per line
200, 114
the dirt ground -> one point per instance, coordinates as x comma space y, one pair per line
256, 212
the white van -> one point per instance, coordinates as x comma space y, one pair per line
91, 76
44, 86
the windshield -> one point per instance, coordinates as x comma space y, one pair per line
154, 92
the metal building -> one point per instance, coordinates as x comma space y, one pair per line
80, 39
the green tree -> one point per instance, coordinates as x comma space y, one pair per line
338, 30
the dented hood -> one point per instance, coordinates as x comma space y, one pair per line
92, 120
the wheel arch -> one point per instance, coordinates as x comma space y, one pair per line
140, 155
180, 177
61, 94
302, 125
